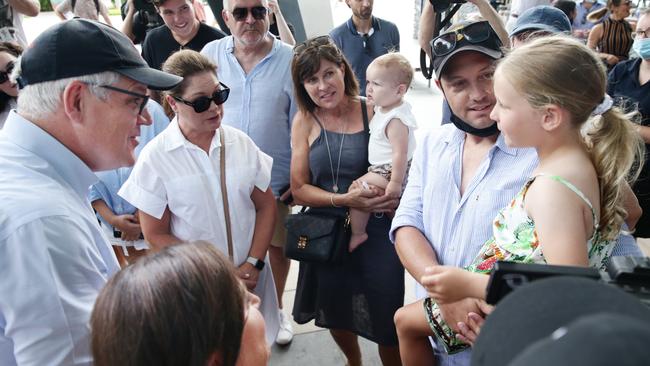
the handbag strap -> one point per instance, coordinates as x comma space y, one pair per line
364, 115
224, 191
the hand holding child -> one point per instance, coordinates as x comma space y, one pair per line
447, 284
393, 189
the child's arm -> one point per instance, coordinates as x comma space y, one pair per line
398, 135
559, 216
448, 284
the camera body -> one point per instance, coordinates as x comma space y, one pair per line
145, 19
631, 274
442, 5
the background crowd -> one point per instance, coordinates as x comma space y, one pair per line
146, 189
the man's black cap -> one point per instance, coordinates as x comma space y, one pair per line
81, 47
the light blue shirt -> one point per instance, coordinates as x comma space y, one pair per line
457, 226
580, 21
110, 181
54, 258
261, 103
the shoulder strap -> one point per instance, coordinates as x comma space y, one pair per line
224, 191
575, 190
364, 114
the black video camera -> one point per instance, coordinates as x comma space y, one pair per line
145, 19
632, 274
442, 5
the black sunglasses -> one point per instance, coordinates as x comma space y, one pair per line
474, 33
312, 43
258, 12
202, 104
4, 75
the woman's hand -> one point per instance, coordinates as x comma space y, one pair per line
611, 60
370, 199
249, 275
273, 6
470, 330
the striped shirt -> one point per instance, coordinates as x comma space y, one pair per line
617, 38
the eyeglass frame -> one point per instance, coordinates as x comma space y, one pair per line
460, 33
144, 97
4, 75
251, 11
644, 32
224, 88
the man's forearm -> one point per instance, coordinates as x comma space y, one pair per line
414, 251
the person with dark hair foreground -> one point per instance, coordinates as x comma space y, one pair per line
183, 305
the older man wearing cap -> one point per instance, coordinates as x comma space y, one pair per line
462, 174
539, 21
80, 111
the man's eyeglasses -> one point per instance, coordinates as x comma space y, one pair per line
312, 43
202, 104
473, 33
4, 75
144, 97
642, 33
258, 12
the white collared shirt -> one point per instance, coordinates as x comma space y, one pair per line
54, 258
173, 172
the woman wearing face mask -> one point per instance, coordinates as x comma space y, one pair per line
8, 89
178, 187
629, 85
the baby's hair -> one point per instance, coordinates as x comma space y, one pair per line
569, 75
399, 63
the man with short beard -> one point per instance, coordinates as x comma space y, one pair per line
181, 31
364, 37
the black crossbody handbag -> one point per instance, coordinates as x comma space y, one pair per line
317, 235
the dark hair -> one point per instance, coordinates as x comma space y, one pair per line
14, 50
174, 307
306, 62
568, 7
184, 63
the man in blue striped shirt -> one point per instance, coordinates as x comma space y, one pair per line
462, 174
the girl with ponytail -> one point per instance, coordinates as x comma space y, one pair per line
570, 211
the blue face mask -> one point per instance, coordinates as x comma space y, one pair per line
642, 47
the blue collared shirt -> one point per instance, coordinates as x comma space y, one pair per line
54, 258
580, 21
261, 103
360, 50
110, 181
457, 226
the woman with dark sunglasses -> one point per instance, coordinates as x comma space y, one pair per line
176, 183
329, 140
9, 52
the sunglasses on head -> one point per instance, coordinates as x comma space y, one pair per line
312, 43
258, 12
4, 75
474, 33
202, 104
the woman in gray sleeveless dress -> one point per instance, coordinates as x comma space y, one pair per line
329, 151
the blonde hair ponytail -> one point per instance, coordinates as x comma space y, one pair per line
616, 149
570, 75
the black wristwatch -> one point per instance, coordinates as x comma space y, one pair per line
259, 264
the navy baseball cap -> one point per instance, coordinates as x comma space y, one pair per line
81, 47
542, 18
467, 36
